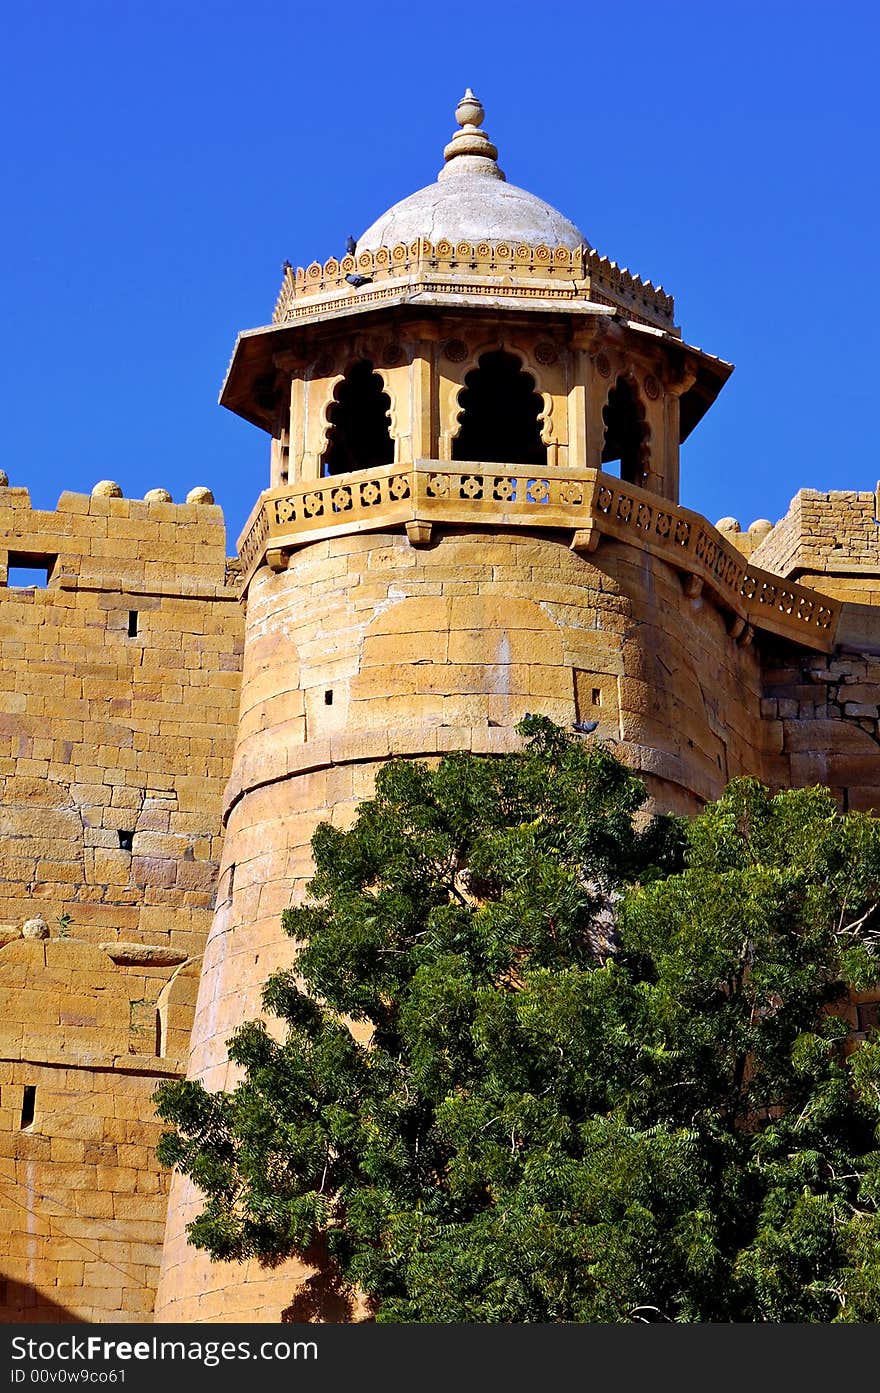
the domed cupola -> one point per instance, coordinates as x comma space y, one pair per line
470, 355
472, 200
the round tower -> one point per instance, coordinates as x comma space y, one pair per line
473, 513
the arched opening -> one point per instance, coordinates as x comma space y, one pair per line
626, 434
358, 437
500, 414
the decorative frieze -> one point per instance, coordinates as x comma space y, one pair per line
481, 268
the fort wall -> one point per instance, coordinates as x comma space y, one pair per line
829, 541
144, 718
86, 1034
118, 705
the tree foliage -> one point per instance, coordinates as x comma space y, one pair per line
545, 1058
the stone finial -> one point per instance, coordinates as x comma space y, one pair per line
728, 525
106, 488
4, 479
200, 494
469, 111
35, 928
158, 496
470, 151
760, 527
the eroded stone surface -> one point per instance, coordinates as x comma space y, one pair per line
135, 954
35, 928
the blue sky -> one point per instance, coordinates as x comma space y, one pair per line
159, 162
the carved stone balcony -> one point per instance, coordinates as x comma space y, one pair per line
587, 504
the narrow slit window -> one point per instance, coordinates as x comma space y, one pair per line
328, 698
230, 884
28, 1105
158, 1034
132, 623
597, 696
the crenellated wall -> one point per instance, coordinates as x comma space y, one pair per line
119, 684
829, 541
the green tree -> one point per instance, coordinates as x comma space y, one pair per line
605, 1072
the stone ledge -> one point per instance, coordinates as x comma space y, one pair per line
143, 954
362, 747
166, 1066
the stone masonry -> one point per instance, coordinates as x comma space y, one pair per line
174, 725
118, 702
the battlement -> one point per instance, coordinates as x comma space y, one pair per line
828, 541
105, 541
118, 703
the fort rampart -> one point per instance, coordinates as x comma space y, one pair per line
132, 740
119, 677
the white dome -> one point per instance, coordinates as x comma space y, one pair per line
472, 208
471, 200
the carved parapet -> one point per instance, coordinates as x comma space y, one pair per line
583, 503
475, 267
615, 285
689, 542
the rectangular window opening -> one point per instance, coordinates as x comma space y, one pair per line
597, 696
126, 840
328, 698
30, 570
28, 1105
132, 623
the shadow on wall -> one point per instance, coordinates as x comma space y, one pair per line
323, 1299
20, 1303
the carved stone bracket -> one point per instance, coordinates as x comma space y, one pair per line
418, 532
277, 559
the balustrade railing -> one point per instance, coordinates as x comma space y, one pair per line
587, 502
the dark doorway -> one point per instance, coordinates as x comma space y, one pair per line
500, 414
358, 437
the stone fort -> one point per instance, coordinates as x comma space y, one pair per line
473, 512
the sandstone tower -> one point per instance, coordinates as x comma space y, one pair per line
474, 513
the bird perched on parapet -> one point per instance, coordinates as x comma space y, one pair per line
585, 727
286, 266
351, 246
355, 278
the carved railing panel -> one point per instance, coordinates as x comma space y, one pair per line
692, 544
586, 503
